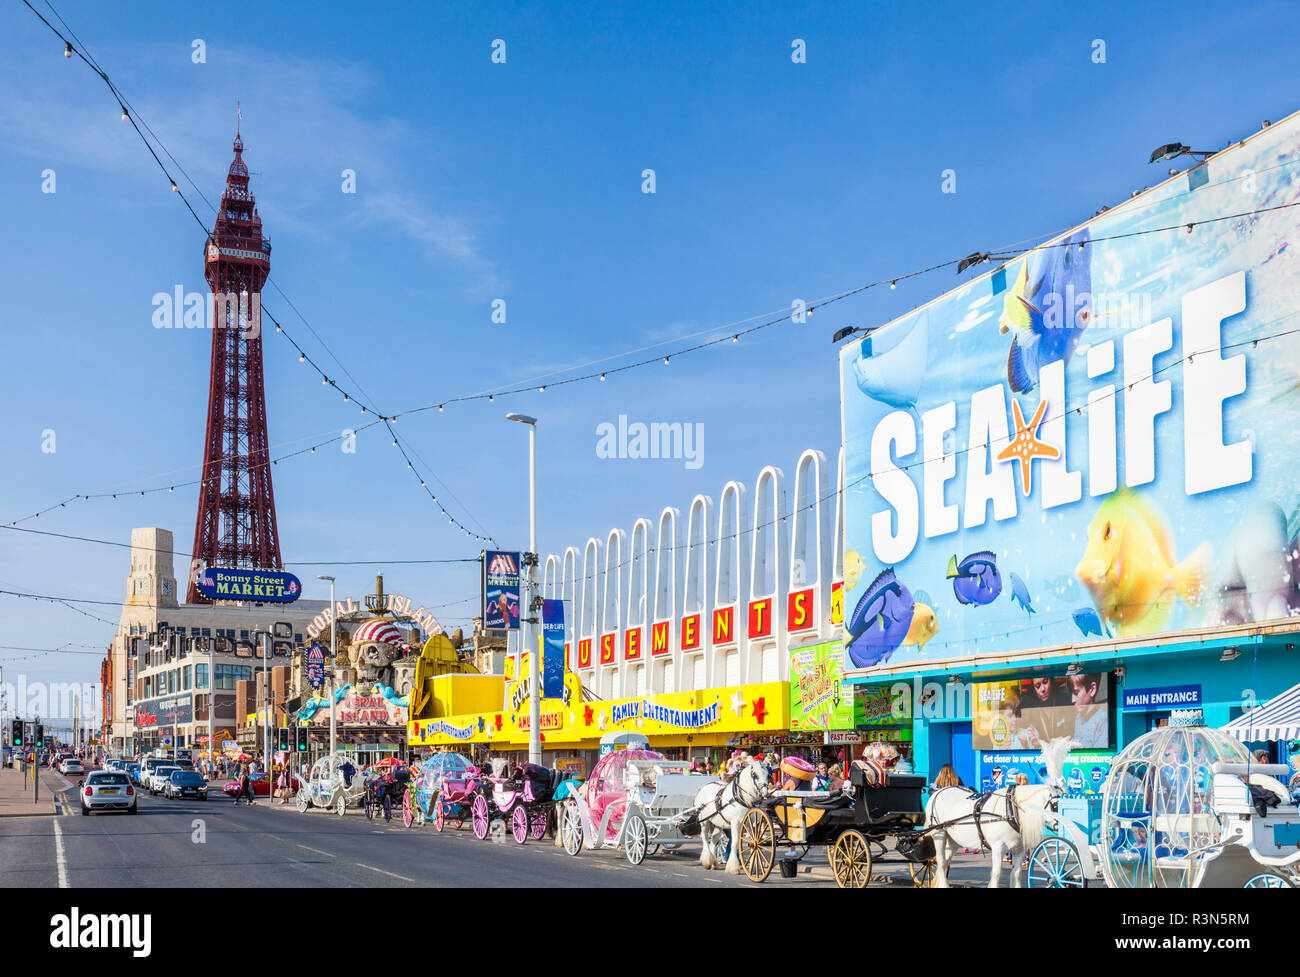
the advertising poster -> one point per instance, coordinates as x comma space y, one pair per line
1094, 438
1085, 773
552, 649
818, 700
315, 666
1026, 714
501, 590
274, 586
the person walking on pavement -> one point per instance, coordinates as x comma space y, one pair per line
245, 786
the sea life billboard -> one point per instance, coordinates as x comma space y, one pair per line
1096, 438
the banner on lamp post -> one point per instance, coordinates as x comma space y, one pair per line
552, 649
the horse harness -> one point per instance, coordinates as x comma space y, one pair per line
979, 813
734, 786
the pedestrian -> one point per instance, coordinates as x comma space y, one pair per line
245, 785
282, 786
821, 779
708, 765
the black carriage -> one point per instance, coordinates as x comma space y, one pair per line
856, 824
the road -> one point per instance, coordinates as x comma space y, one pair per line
214, 844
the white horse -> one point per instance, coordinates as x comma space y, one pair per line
722, 805
1009, 819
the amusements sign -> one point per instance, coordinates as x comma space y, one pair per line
1119, 396
501, 590
818, 700
274, 586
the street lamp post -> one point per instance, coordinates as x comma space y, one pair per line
266, 701
334, 633
526, 633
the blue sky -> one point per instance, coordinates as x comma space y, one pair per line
522, 181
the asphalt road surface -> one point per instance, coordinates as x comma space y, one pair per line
213, 844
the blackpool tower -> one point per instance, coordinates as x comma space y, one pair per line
236, 520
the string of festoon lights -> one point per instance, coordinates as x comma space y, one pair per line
303, 356
794, 314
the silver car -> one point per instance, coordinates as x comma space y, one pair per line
107, 791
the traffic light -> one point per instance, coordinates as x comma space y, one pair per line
40, 735
17, 735
282, 739
302, 732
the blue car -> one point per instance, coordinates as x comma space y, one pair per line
132, 770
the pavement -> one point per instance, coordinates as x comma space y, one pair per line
214, 844
17, 792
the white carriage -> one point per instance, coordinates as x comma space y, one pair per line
1186, 807
634, 800
326, 787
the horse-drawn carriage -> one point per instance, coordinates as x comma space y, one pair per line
634, 800
856, 823
385, 788
441, 791
328, 786
523, 800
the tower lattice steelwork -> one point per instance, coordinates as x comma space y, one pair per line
236, 520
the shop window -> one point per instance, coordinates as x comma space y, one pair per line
697, 673
771, 665
732, 671
201, 676
669, 679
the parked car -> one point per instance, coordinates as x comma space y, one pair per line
71, 765
132, 771
158, 778
107, 791
186, 783
261, 784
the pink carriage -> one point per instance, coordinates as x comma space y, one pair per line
523, 801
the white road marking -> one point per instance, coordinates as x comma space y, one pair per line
59, 856
382, 872
318, 851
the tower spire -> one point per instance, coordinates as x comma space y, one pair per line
236, 524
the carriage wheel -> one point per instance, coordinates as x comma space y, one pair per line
304, 800
479, 811
636, 838
571, 829
519, 823
388, 808
757, 845
923, 873
341, 808
370, 806
439, 817
1268, 881
408, 812
1055, 864
538, 823
851, 860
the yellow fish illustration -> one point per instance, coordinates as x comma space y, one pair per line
853, 567
1015, 306
923, 627
1130, 567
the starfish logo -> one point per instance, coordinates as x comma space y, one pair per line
1025, 446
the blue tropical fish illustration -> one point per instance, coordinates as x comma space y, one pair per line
1047, 309
1020, 592
1088, 621
880, 621
975, 580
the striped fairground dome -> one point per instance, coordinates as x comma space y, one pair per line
378, 630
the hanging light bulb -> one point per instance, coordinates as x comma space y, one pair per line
665, 361
735, 339
313, 449
175, 188
124, 115
345, 398
440, 408
67, 49
324, 381
422, 485
171, 488
602, 378
542, 389
491, 398
363, 408
893, 285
